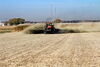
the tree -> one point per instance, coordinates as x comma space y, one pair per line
57, 21
16, 21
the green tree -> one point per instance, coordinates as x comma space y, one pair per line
16, 21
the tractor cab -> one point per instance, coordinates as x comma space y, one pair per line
49, 28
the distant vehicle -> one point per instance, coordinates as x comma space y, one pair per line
49, 28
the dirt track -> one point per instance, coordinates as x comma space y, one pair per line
58, 50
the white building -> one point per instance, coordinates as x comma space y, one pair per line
2, 24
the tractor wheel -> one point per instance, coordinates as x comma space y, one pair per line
45, 32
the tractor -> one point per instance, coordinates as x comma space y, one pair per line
49, 28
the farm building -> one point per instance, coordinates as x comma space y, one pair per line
1, 24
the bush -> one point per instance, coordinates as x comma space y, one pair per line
20, 27
37, 28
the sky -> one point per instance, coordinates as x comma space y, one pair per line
42, 10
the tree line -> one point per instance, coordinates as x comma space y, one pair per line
17, 21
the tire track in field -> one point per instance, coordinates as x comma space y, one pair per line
19, 48
63, 50
82, 52
27, 44
42, 43
94, 54
26, 49
47, 50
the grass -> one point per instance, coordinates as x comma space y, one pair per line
4, 32
21, 27
66, 28
63, 28
78, 27
37, 28
6, 29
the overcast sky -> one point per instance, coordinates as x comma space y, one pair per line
41, 10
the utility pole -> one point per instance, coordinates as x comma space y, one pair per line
53, 11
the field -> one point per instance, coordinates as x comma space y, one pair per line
79, 27
6, 29
63, 27
50, 50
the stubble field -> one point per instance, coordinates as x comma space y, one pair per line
50, 50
